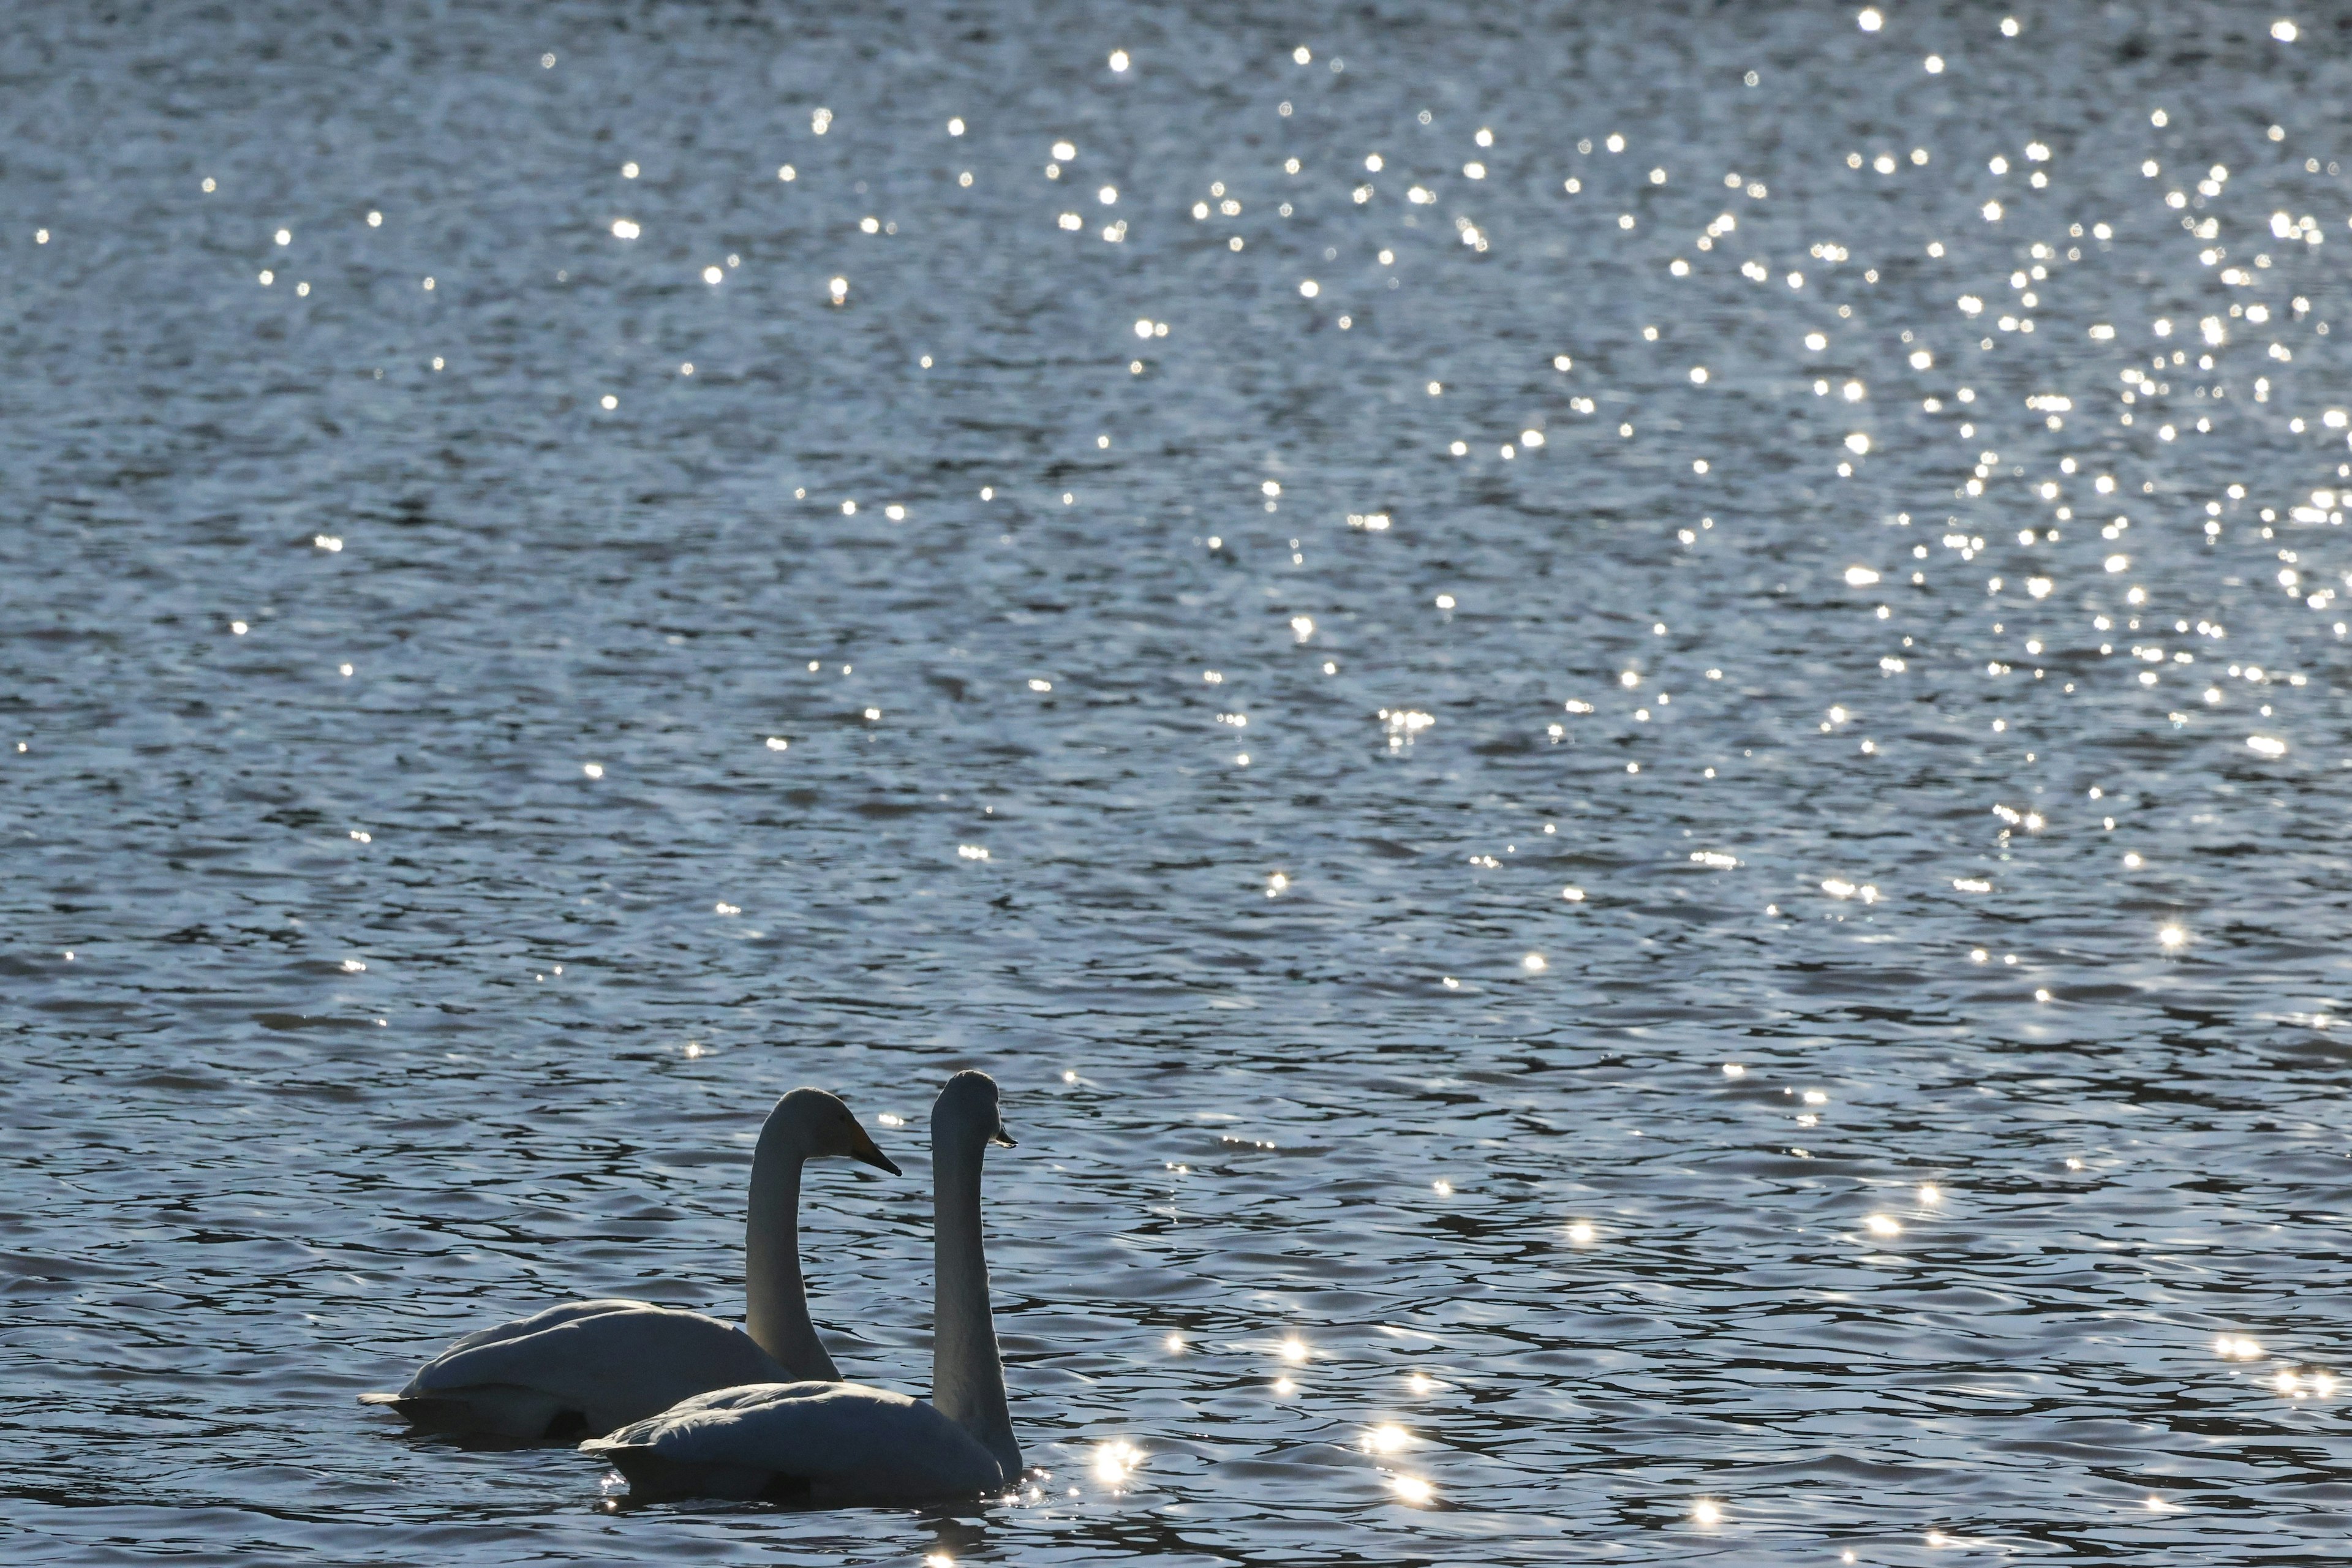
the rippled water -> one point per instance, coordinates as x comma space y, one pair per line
1755, 973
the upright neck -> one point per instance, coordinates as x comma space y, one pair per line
967, 1376
775, 1306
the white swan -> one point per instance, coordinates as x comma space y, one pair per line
587, 1367
833, 1443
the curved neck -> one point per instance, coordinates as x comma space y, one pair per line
775, 1307
967, 1374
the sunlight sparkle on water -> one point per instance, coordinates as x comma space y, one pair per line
1116, 1461
1762, 447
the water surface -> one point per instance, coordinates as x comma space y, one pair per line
1645, 809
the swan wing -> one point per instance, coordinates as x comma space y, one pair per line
548, 1318
831, 1442
587, 1366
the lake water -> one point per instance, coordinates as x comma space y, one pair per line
1645, 810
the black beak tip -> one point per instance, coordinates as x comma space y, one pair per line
1004, 1138
878, 1160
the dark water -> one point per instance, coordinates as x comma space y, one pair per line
346, 1011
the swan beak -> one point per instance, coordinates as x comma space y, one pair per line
1003, 1137
872, 1156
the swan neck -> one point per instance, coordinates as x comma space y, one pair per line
967, 1373
775, 1303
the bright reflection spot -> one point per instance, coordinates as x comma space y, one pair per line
1292, 1350
1733, 1069
2172, 938
1175, 1343
2236, 1347
1422, 1382
1386, 1438
1930, 1194
1707, 1513
623, 229
1883, 1224
1413, 1491
1582, 1234
1116, 1460
1533, 963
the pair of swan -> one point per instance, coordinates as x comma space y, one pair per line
703, 1408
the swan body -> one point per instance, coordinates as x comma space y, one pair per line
844, 1443
582, 1367
587, 1367
823, 1443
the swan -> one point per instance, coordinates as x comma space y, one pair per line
835, 1443
587, 1367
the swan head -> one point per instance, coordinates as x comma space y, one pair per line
970, 1104
826, 1126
